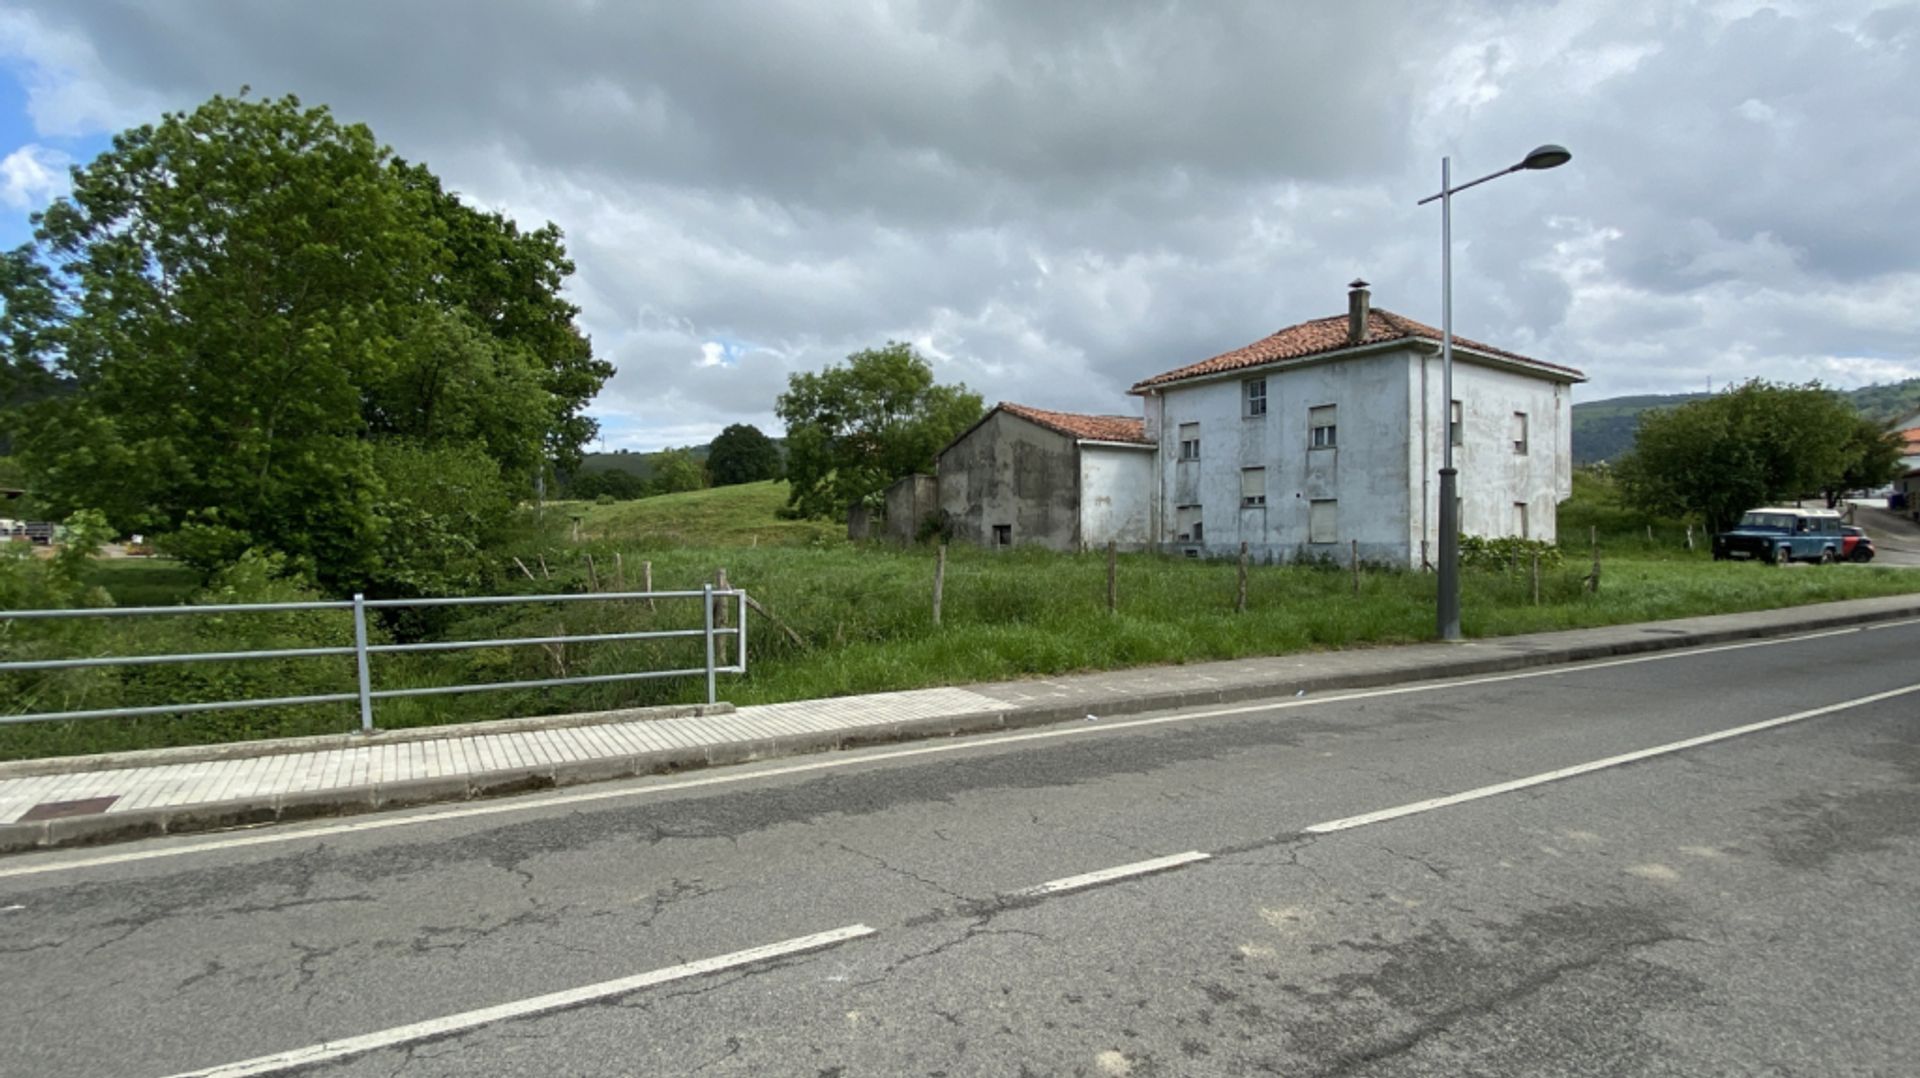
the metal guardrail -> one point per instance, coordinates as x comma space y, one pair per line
362, 651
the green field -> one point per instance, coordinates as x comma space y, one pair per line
863, 617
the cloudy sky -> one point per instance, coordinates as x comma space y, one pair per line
1054, 200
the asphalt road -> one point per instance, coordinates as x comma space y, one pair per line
1747, 905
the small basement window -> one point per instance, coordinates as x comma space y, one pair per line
1323, 521
1003, 535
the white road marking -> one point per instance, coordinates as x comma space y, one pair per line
1107, 875
1890, 624
328, 1051
12, 908
378, 823
1510, 786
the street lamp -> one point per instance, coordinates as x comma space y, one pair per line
1548, 156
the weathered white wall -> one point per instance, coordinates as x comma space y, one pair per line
1492, 477
1367, 472
1116, 496
1011, 471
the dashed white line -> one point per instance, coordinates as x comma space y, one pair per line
1108, 875
1511, 785
560, 800
12, 909
328, 1051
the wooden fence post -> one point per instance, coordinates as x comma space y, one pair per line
544, 574
1689, 538
1113, 579
1593, 581
1536, 578
593, 578
646, 580
1353, 557
1240, 598
939, 581
619, 572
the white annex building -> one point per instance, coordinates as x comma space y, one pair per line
1323, 435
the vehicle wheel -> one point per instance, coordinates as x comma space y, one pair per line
1783, 556
1827, 556
1861, 556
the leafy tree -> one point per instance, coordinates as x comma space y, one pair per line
1873, 457
1755, 443
261, 311
612, 483
854, 429
742, 454
676, 471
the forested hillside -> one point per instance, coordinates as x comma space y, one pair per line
1603, 429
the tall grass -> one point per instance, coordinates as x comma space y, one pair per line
863, 614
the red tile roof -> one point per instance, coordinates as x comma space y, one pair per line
1912, 438
1330, 335
1091, 428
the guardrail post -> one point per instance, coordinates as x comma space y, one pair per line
360, 661
706, 608
740, 635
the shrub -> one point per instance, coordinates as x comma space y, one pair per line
1507, 552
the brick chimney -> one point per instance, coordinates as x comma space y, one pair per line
1357, 309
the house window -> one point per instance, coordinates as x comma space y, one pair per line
1003, 535
1253, 487
1256, 397
1323, 521
1520, 520
1454, 423
1321, 427
1189, 441
1187, 522
1520, 433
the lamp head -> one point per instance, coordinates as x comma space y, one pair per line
1548, 156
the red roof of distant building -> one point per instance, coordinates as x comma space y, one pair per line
1323, 335
1091, 428
1912, 438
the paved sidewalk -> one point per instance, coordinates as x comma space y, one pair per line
80, 800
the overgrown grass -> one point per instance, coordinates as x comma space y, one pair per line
863, 614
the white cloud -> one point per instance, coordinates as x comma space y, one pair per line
32, 176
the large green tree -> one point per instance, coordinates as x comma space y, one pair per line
1755, 443
742, 454
280, 335
853, 429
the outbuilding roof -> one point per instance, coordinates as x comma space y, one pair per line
1326, 335
1086, 428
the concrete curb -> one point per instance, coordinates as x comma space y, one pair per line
1451, 661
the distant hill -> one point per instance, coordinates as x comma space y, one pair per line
1603, 430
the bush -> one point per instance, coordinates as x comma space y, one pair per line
1507, 552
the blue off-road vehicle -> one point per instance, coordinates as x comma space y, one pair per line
1781, 535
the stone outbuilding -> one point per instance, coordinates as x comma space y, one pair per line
1026, 476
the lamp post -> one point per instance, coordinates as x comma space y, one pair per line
1448, 603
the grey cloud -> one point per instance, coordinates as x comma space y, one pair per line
1062, 198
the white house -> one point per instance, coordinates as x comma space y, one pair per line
1328, 432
